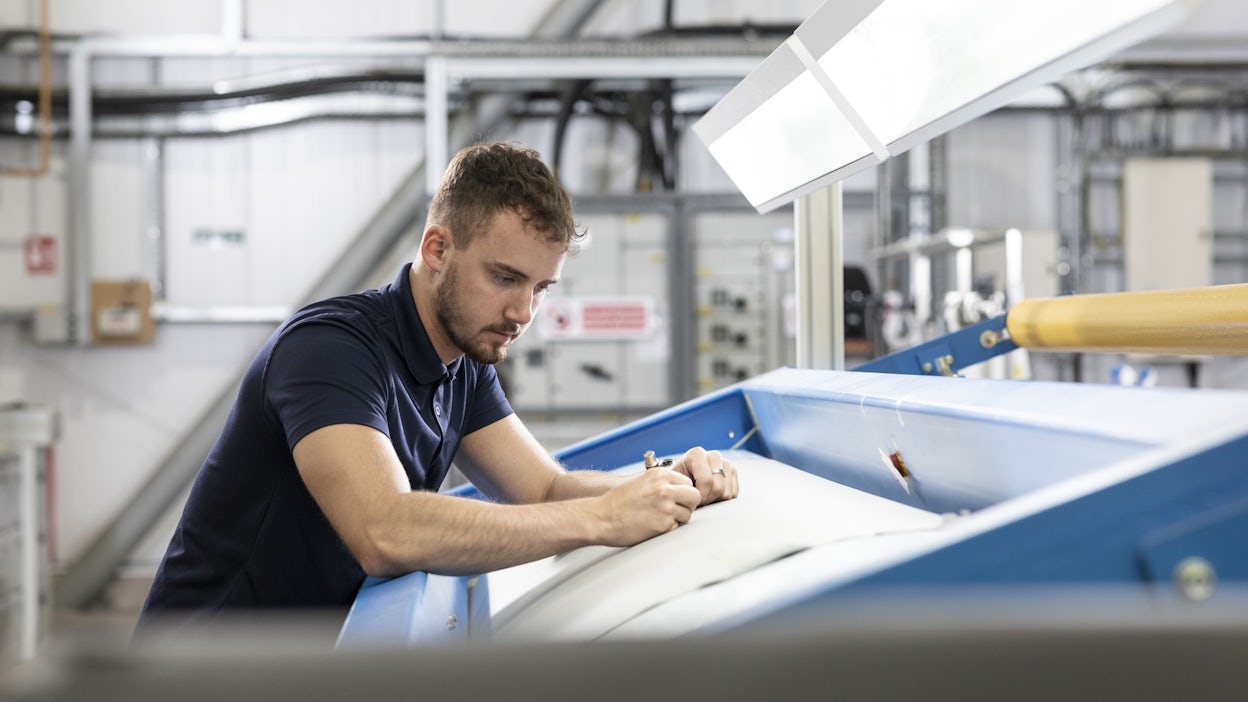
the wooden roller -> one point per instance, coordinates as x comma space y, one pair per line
1212, 320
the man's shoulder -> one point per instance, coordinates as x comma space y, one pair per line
366, 312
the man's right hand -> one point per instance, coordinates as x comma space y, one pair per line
649, 504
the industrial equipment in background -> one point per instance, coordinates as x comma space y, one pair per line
983, 273
27, 436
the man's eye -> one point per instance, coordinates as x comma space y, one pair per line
504, 279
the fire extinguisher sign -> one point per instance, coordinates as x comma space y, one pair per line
40, 254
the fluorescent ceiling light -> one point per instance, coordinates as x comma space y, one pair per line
861, 80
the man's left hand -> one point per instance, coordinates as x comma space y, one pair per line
711, 474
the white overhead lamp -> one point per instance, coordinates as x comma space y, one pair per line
861, 80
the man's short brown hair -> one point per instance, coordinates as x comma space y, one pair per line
483, 180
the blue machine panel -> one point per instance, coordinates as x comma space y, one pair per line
417, 608
1041, 484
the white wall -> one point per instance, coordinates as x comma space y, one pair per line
131, 17
1002, 173
297, 195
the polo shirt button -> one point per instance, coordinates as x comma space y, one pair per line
437, 409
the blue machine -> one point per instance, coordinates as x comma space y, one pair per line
996, 483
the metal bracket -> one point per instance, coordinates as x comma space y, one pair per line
950, 353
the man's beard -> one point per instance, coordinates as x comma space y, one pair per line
454, 321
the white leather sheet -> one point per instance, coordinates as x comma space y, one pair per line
592, 592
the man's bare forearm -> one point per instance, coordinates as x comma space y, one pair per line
454, 535
356, 479
581, 483
457, 536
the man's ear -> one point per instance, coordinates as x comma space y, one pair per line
435, 244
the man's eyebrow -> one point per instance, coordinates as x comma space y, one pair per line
516, 272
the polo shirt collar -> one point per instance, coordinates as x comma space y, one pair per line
422, 359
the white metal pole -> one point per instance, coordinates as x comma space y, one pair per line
79, 250
28, 534
818, 235
836, 273
437, 121
233, 19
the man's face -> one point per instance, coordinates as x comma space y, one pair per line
490, 291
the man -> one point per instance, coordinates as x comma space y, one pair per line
350, 416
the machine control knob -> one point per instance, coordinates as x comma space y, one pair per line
1195, 578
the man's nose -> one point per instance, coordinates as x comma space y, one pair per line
522, 307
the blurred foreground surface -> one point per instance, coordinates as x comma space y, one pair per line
972, 645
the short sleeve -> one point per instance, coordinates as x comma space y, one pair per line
323, 373
489, 403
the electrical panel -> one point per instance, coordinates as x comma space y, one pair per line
743, 274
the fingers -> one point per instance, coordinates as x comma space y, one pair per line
696, 465
654, 502
682, 493
715, 478
727, 483
657, 501
727, 476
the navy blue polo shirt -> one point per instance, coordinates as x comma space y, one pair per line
251, 536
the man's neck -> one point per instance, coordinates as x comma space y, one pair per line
423, 297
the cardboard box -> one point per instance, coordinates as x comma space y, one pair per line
121, 312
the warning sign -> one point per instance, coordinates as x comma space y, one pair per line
597, 318
631, 317
39, 252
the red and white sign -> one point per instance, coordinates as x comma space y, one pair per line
597, 318
39, 253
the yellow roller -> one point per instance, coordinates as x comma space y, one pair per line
1212, 320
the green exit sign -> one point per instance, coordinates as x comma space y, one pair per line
215, 238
